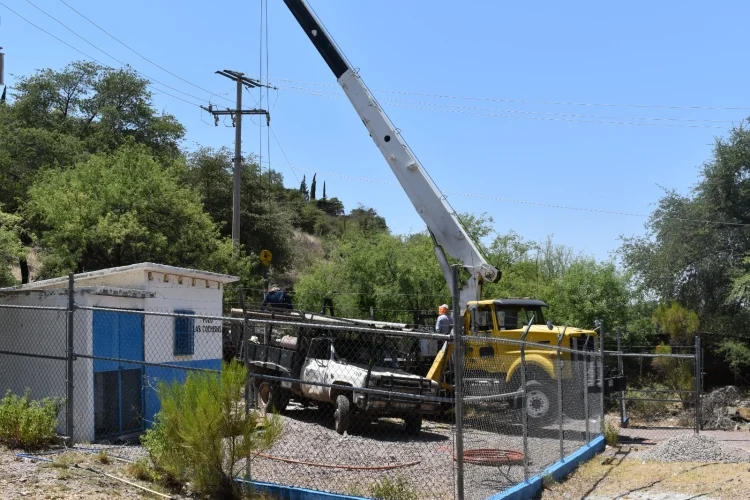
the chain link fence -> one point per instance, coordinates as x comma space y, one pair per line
660, 390
360, 408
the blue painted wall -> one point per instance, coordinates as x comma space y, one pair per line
155, 374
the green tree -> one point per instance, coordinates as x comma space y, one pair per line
303, 189
313, 187
679, 323
324, 190
11, 248
122, 208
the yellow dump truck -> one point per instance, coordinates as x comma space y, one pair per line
492, 366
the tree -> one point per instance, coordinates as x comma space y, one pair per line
122, 208
303, 189
679, 323
324, 190
313, 186
701, 264
367, 219
11, 248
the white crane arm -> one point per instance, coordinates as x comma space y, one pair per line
447, 232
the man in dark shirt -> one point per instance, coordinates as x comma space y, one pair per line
277, 299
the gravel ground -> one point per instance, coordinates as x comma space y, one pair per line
66, 479
425, 461
693, 448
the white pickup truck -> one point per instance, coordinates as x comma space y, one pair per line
334, 371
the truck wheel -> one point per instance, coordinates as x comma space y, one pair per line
413, 424
342, 414
541, 400
271, 397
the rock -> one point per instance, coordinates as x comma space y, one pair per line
744, 413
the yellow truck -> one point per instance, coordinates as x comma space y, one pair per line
492, 366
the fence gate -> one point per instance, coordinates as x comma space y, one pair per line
653, 392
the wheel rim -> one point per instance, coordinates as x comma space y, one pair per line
264, 393
537, 404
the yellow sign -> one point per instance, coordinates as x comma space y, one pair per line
265, 257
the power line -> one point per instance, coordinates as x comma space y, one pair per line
289, 164
107, 54
523, 202
537, 102
141, 55
515, 113
87, 55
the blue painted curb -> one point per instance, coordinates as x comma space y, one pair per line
558, 470
291, 493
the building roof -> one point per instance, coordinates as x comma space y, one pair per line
143, 266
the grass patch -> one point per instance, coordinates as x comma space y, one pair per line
102, 457
27, 423
386, 489
611, 434
141, 470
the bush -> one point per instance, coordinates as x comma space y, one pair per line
611, 434
27, 423
201, 432
392, 489
649, 409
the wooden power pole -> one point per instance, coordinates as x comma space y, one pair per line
236, 115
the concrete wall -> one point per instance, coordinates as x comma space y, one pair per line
44, 332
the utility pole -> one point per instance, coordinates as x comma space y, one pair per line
236, 114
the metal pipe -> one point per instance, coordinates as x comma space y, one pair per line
69, 426
650, 355
601, 376
558, 370
29, 355
648, 399
42, 308
586, 388
524, 412
494, 397
458, 353
621, 371
697, 391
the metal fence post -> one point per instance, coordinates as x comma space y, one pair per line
558, 373
458, 353
601, 376
697, 386
586, 387
69, 426
621, 371
245, 362
524, 413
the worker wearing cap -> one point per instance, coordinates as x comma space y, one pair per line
444, 322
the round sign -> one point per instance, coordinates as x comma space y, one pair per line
265, 257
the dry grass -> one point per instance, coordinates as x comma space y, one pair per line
617, 475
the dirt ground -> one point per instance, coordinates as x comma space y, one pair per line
617, 474
70, 475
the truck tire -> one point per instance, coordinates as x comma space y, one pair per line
271, 398
413, 424
541, 399
342, 414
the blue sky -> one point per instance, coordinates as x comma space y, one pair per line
649, 54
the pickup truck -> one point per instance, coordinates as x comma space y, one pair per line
349, 361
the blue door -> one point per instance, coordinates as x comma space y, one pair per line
118, 385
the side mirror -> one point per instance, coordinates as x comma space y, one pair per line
549, 324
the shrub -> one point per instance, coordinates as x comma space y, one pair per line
28, 423
649, 409
677, 374
201, 432
392, 489
611, 434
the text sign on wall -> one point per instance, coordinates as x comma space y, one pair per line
205, 325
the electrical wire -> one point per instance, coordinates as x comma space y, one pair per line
525, 202
141, 55
535, 102
555, 117
87, 55
154, 80
281, 148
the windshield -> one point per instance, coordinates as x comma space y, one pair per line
512, 318
359, 351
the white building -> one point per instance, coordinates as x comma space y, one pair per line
111, 396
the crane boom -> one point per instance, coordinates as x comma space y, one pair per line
448, 235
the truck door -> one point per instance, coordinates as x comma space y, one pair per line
315, 368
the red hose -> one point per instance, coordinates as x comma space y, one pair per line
345, 467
